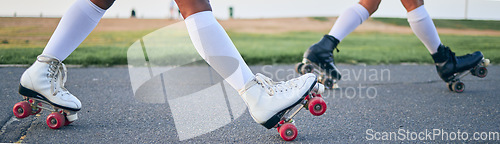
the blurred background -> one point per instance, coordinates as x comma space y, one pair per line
244, 9
264, 31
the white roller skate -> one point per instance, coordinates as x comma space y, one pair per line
270, 102
42, 87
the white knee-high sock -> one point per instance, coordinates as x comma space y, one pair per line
348, 21
75, 25
422, 25
214, 45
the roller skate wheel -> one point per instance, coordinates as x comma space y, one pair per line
473, 71
486, 62
317, 106
458, 87
279, 125
298, 68
481, 72
67, 123
288, 132
55, 120
22, 109
328, 83
307, 68
449, 85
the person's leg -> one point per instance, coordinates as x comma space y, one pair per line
321, 53
213, 44
421, 24
353, 17
446, 62
75, 25
46, 77
265, 99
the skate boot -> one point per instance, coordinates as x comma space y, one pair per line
318, 59
268, 101
451, 68
42, 86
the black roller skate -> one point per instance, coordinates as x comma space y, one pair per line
318, 59
451, 68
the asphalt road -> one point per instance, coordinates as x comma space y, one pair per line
191, 105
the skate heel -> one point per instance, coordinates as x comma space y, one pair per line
273, 120
27, 92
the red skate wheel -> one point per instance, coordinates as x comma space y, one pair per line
307, 69
481, 72
280, 123
473, 71
36, 109
458, 87
298, 68
288, 132
67, 122
317, 106
316, 95
22, 109
55, 120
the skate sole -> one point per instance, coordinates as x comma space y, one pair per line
458, 75
33, 94
275, 119
320, 71
454, 84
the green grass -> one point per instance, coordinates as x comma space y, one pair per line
110, 48
104, 48
322, 19
371, 48
454, 24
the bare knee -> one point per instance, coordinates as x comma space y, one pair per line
104, 4
412, 4
370, 5
189, 7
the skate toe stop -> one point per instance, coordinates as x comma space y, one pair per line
486, 62
319, 88
72, 117
335, 86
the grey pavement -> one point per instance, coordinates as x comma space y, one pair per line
379, 98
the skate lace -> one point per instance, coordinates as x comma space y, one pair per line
452, 54
58, 74
272, 87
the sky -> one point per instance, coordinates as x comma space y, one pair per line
250, 9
